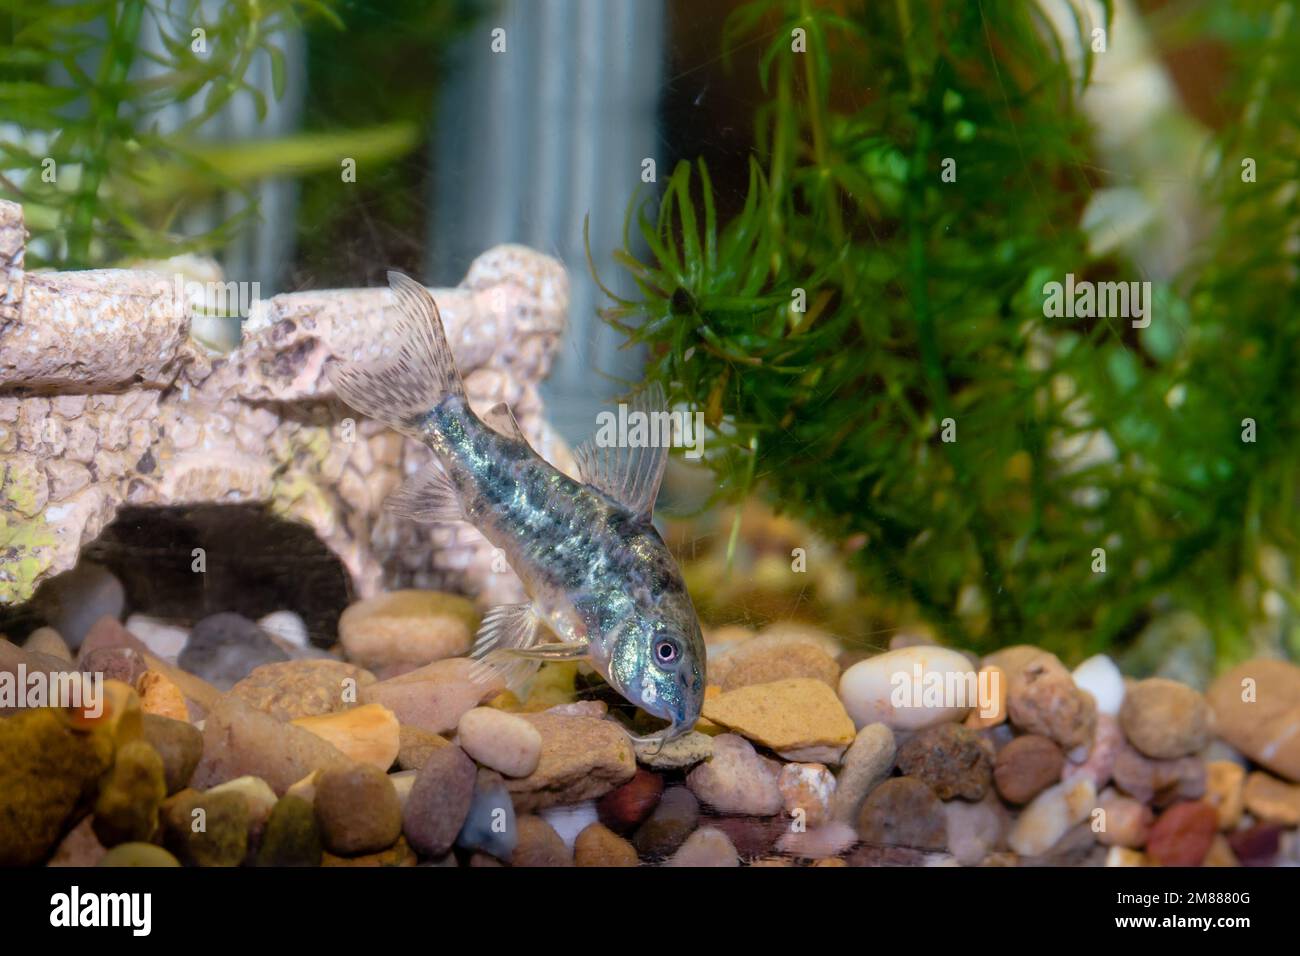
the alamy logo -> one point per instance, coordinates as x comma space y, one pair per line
22, 688
940, 689
214, 299
1101, 300
639, 429
133, 910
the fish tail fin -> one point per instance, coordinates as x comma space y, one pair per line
399, 390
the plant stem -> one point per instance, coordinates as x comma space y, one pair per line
105, 102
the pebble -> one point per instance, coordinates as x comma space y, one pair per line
539, 845
286, 627
224, 648
1099, 765
582, 758
1257, 709
598, 845
440, 800
736, 779
48, 641
73, 601
991, 712
357, 810
868, 761
160, 696
974, 829
1123, 856
828, 840
239, 741
1165, 719
1127, 821
368, 734
489, 824
950, 759
1181, 836
1159, 782
403, 782
289, 690
163, 638
784, 714
1050, 815
130, 796
676, 754
673, 819
414, 746
79, 848
806, 792
1220, 853
903, 812
1100, 676
627, 807
570, 819
114, 663
398, 855
1224, 790
1026, 767
47, 770
1271, 800
773, 657
505, 742
291, 836
1042, 697
178, 744
217, 836
138, 854
434, 697
884, 688
407, 628
752, 837
707, 847
1257, 845
257, 794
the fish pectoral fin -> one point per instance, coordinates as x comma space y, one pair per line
428, 496
507, 630
630, 474
554, 651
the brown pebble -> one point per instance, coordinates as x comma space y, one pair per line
1026, 767
903, 812
539, 844
625, 808
598, 845
950, 759
1182, 835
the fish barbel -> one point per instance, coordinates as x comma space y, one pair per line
601, 583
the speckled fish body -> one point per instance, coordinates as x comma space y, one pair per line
598, 575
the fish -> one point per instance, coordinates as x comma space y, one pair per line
602, 585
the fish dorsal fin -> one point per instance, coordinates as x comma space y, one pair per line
428, 496
630, 470
501, 420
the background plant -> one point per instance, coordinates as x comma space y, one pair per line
925, 303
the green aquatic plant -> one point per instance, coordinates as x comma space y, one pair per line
82, 148
868, 338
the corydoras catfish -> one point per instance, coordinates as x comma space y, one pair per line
602, 584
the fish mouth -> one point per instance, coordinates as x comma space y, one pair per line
657, 739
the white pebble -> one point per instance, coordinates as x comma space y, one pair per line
163, 640
1100, 677
288, 626
568, 821
1050, 815
910, 688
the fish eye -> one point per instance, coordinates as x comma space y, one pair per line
666, 652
